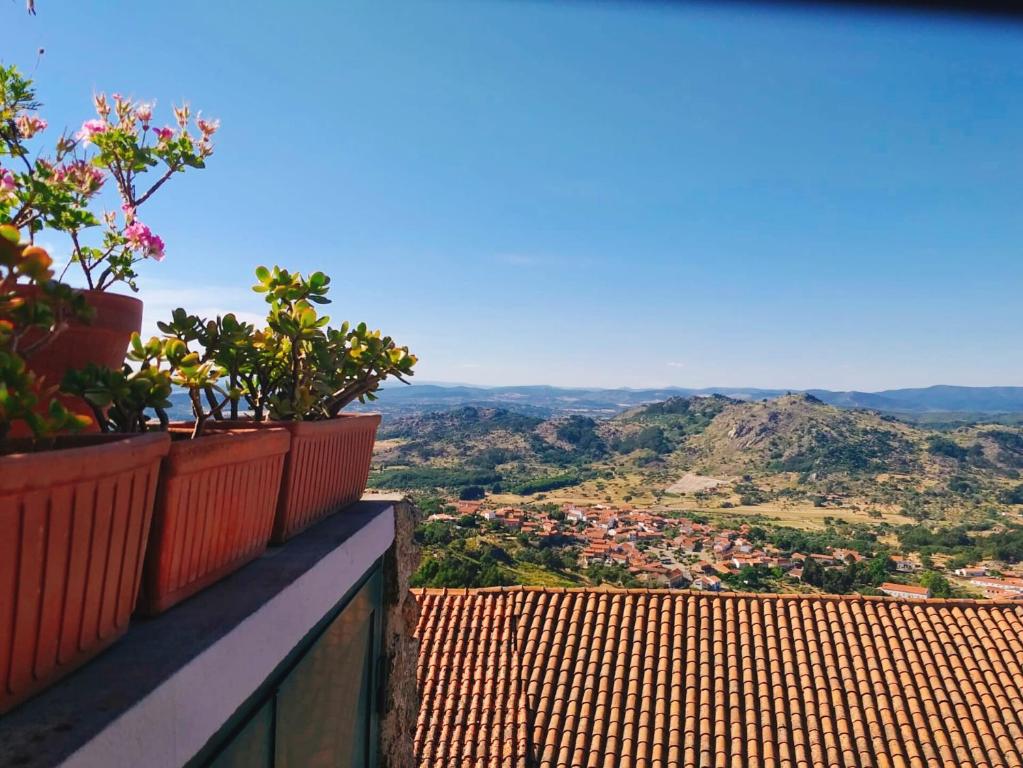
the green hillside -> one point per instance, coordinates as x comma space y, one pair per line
715, 450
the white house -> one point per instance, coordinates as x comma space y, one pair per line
904, 590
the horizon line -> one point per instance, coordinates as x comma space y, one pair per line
710, 389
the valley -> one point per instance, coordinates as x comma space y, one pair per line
792, 466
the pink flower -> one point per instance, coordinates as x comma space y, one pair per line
141, 238
129, 212
83, 176
144, 113
91, 128
164, 134
102, 108
181, 115
6, 184
208, 127
156, 248
29, 125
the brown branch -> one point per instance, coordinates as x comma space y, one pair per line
197, 411
216, 411
171, 170
78, 253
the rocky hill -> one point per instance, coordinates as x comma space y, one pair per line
728, 451
799, 433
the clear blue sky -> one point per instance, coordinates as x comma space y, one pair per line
588, 193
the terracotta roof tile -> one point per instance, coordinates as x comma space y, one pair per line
647, 678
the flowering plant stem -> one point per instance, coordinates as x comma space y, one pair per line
61, 192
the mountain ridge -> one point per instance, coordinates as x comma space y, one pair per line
795, 448
546, 400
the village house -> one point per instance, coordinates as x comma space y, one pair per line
822, 559
740, 561
468, 507
743, 546
710, 583
846, 555
679, 578
722, 546
576, 515
686, 544
441, 517
904, 565
1009, 585
971, 572
904, 590
513, 518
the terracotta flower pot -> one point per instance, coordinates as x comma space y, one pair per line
103, 341
214, 511
74, 524
327, 468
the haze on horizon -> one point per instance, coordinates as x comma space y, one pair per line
683, 387
593, 194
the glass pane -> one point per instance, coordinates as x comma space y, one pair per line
251, 747
323, 706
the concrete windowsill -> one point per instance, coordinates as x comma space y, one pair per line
155, 697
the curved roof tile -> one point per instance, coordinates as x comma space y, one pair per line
652, 678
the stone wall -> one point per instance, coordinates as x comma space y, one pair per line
400, 699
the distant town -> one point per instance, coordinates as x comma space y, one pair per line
658, 549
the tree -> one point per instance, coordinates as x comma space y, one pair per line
812, 572
937, 583
472, 493
453, 570
878, 568
434, 534
1012, 495
750, 578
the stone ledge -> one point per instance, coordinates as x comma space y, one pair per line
156, 697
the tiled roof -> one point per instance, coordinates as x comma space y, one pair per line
555, 678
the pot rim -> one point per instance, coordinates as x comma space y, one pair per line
48, 469
340, 423
92, 293
223, 447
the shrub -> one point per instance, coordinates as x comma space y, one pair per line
550, 483
1012, 495
472, 493
943, 446
432, 477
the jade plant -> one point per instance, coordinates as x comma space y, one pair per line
199, 371
120, 399
298, 367
122, 147
29, 320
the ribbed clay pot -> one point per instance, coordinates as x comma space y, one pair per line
214, 512
102, 341
74, 523
326, 470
